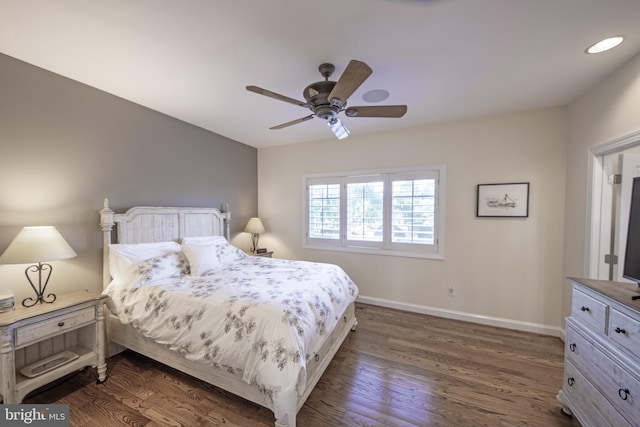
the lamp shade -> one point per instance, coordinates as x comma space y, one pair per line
254, 226
37, 244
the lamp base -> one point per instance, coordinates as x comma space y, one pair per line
255, 237
40, 298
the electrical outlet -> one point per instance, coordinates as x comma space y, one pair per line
451, 291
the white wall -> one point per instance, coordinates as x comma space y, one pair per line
609, 111
508, 269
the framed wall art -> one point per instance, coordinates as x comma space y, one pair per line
503, 200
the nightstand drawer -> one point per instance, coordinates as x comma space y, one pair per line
33, 333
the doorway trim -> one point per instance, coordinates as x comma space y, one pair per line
595, 168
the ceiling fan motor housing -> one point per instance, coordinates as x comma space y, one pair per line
316, 95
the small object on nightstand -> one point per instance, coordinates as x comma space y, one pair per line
261, 251
6, 301
265, 254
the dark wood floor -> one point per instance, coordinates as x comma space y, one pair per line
397, 369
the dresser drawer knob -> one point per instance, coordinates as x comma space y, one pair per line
317, 357
61, 324
572, 347
583, 308
620, 331
571, 381
623, 393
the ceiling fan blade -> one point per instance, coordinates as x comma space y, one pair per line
338, 129
277, 96
293, 122
376, 111
354, 75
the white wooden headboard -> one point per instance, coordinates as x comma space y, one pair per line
146, 224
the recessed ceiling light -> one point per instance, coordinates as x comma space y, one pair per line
375, 95
604, 45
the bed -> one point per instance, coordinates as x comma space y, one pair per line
289, 318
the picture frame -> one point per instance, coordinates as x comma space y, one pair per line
509, 200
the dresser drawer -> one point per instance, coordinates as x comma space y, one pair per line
591, 408
616, 383
28, 334
577, 348
585, 308
625, 331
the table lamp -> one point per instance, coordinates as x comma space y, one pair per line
37, 245
255, 227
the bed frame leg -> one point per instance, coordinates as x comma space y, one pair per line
355, 326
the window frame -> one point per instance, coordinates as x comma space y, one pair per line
386, 247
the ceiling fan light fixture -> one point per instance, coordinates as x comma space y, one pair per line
338, 129
604, 45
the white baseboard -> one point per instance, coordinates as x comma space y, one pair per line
467, 317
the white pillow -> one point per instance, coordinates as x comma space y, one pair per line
122, 255
202, 258
203, 240
206, 257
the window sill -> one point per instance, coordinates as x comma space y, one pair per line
376, 251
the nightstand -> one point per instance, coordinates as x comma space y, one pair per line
45, 342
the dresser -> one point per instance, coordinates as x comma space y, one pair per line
45, 342
602, 354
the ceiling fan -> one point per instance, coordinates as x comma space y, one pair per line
326, 99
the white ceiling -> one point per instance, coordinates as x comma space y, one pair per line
445, 59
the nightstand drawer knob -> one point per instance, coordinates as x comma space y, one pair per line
61, 324
583, 308
571, 381
572, 347
620, 331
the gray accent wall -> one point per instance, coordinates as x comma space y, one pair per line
65, 146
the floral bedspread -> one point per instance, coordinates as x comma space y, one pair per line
257, 317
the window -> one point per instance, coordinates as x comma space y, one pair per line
396, 212
324, 211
